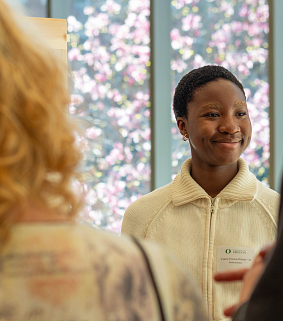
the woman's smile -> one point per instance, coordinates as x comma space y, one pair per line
226, 143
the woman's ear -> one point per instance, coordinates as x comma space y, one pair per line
181, 123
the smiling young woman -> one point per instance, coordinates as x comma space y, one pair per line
215, 201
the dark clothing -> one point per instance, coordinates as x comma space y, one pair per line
266, 302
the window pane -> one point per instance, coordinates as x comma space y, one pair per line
35, 8
109, 58
232, 34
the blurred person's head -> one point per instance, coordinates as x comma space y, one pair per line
38, 152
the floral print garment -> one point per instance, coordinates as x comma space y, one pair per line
71, 272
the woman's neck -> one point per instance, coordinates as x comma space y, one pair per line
34, 212
213, 178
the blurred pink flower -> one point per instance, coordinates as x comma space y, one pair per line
191, 22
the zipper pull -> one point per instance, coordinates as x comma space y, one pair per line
212, 205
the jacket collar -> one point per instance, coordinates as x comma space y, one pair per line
243, 186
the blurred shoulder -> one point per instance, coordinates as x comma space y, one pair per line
120, 271
133, 262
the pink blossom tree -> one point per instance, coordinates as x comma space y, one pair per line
109, 57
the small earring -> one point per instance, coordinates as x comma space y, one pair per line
185, 137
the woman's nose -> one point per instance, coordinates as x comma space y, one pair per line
229, 125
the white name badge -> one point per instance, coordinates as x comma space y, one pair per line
232, 258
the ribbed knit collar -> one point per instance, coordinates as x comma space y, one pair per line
243, 186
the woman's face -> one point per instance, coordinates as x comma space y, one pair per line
218, 123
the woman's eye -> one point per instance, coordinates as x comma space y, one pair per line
242, 113
212, 115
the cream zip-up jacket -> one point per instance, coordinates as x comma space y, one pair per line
187, 221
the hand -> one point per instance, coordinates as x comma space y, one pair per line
249, 277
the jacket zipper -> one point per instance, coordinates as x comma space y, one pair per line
212, 209
212, 201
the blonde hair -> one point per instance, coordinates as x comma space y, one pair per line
38, 152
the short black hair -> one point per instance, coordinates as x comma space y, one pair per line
196, 78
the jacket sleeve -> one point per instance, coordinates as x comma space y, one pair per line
266, 301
